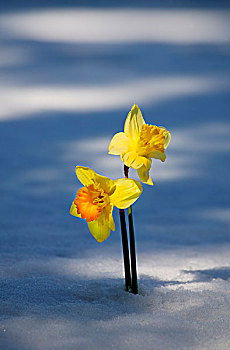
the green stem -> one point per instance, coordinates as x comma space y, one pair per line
125, 249
132, 252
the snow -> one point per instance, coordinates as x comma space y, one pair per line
63, 96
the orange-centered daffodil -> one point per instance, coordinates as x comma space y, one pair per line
95, 201
139, 143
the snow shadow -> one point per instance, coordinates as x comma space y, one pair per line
222, 273
66, 314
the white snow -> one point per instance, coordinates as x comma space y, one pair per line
64, 93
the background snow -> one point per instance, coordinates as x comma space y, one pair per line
70, 72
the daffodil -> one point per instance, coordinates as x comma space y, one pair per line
139, 143
95, 201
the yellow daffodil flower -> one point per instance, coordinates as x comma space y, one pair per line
95, 201
139, 143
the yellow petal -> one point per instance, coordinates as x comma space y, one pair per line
133, 160
73, 210
167, 136
133, 123
157, 155
88, 176
126, 193
119, 144
146, 161
108, 185
85, 175
101, 228
111, 221
143, 173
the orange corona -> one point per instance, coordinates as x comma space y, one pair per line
90, 201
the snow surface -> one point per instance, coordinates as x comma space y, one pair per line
64, 93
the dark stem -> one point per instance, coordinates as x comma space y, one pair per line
126, 171
132, 244
125, 249
132, 252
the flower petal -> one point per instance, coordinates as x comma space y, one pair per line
88, 176
143, 173
132, 160
111, 221
85, 175
119, 144
101, 228
73, 210
157, 155
107, 184
126, 193
133, 123
167, 136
